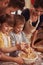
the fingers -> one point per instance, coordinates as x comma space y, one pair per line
18, 46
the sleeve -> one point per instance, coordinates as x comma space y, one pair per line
1, 41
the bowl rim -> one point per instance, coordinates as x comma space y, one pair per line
30, 58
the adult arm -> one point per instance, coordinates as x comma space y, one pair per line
34, 38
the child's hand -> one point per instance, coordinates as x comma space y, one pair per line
24, 45
18, 46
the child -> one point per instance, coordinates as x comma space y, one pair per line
4, 33
17, 35
5, 42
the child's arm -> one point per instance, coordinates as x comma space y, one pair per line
4, 57
10, 49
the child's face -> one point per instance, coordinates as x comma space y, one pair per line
34, 18
18, 28
6, 28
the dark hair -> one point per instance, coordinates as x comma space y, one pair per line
38, 3
26, 14
9, 19
2, 18
17, 3
19, 19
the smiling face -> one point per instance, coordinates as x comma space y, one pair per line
19, 22
18, 28
6, 28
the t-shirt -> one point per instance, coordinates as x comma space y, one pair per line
18, 38
4, 41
